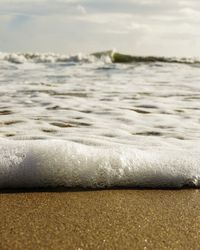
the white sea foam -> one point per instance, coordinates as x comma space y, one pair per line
68, 164
20, 58
85, 121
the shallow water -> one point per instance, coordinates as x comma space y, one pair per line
94, 102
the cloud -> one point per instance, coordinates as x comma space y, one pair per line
190, 13
81, 9
145, 26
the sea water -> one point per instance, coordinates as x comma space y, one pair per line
101, 120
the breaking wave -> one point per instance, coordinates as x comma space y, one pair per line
106, 56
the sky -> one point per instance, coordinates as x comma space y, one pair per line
138, 27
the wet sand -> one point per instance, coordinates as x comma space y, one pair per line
110, 219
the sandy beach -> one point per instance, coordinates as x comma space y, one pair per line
109, 219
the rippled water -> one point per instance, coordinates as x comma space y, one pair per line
98, 99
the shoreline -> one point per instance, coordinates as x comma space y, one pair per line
100, 219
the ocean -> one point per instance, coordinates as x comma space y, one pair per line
99, 121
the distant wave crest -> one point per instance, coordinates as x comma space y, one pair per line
109, 56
